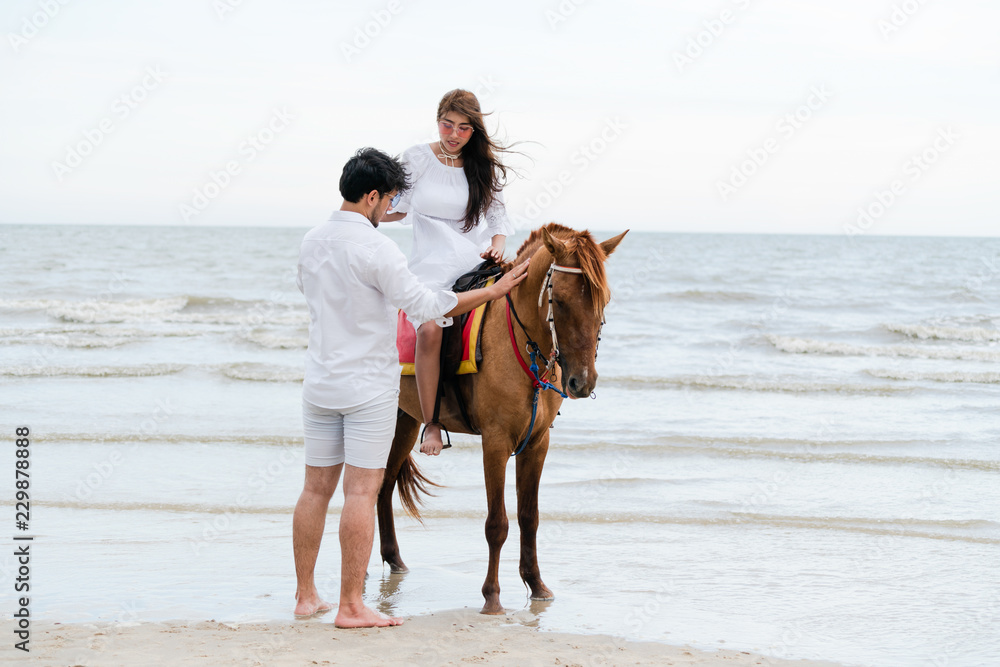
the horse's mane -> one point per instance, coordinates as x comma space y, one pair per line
587, 251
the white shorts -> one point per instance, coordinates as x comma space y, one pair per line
361, 436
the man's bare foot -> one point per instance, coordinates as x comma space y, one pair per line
432, 443
310, 605
360, 616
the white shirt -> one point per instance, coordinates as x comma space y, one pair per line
354, 279
435, 206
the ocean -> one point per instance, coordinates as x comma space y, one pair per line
793, 448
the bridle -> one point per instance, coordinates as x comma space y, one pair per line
547, 287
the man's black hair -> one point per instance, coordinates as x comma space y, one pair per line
371, 169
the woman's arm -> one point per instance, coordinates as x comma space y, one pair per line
392, 217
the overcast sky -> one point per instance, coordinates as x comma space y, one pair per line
847, 117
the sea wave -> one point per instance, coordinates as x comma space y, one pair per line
931, 332
973, 531
930, 376
175, 309
746, 383
87, 337
274, 341
254, 372
810, 346
143, 370
171, 438
803, 451
714, 296
106, 311
262, 372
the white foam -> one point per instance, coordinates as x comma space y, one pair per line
262, 373
86, 337
271, 341
810, 346
177, 309
747, 383
29, 304
143, 370
928, 332
131, 310
947, 376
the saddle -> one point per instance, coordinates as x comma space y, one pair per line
461, 352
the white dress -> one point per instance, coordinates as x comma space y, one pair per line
435, 206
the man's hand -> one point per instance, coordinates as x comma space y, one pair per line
476, 297
511, 279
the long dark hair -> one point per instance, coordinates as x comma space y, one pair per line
483, 169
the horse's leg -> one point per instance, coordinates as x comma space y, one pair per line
529, 473
495, 455
402, 443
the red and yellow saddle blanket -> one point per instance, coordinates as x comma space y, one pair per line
406, 342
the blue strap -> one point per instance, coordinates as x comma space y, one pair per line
540, 384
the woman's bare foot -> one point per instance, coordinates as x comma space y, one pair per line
432, 443
310, 605
360, 616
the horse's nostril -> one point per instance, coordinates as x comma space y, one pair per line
572, 384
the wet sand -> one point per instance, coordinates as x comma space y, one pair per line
456, 637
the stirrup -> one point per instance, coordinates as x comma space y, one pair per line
443, 429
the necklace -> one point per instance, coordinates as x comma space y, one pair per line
448, 156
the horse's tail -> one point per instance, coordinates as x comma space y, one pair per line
412, 486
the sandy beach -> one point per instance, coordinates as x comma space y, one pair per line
456, 637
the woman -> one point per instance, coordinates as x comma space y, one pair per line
456, 208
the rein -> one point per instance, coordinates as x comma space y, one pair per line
538, 382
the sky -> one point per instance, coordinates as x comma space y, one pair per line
854, 117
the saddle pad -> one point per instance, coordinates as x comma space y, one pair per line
406, 342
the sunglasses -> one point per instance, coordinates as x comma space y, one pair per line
395, 200
463, 131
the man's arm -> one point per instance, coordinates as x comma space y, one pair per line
404, 290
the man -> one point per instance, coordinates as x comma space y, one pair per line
354, 279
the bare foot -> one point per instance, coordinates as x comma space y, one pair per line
310, 605
432, 444
361, 616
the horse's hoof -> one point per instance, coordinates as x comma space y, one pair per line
547, 595
492, 609
395, 566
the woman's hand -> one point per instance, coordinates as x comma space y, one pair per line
493, 253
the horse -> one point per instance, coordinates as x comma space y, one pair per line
569, 266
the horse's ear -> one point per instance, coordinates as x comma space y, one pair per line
555, 246
609, 246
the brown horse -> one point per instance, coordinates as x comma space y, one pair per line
499, 396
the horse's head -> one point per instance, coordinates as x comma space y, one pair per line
578, 287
